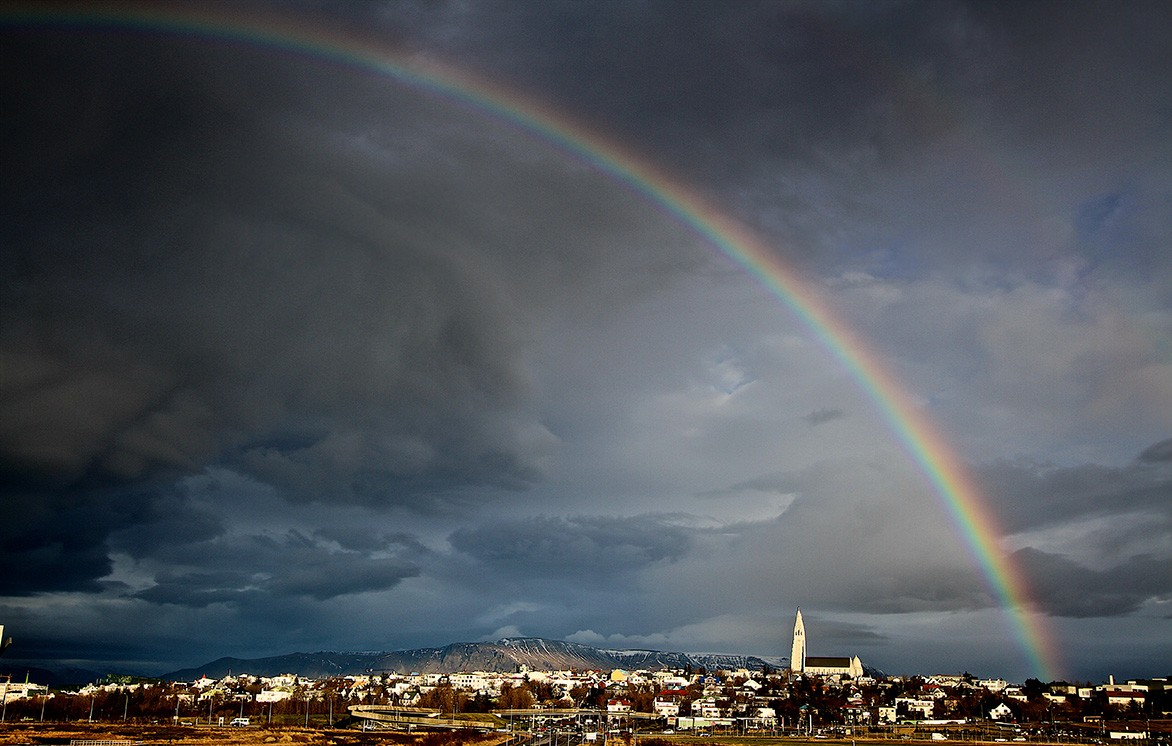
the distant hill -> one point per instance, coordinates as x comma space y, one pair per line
504, 655
63, 677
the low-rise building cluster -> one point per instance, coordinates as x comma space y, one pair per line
677, 700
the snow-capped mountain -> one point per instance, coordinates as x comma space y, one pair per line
507, 654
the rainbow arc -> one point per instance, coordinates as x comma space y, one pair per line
911, 426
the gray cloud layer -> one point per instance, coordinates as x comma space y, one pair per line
285, 339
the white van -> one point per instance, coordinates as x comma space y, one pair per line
239, 722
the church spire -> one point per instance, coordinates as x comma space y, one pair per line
797, 656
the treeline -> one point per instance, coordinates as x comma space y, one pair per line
163, 704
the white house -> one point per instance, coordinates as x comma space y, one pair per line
916, 705
668, 707
618, 705
1123, 698
273, 695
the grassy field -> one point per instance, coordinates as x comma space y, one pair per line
63, 733
732, 740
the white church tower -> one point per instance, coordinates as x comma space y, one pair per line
797, 656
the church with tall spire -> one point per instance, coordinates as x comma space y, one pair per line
797, 656
800, 663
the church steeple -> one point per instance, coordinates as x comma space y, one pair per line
797, 656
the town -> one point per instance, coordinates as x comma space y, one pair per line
702, 702
810, 698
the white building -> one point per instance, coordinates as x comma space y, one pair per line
22, 690
274, 695
800, 662
476, 681
797, 654
668, 707
916, 705
618, 705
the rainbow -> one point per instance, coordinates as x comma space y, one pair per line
923, 443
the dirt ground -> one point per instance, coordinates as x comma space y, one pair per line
168, 735
64, 733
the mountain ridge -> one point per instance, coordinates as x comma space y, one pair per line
505, 655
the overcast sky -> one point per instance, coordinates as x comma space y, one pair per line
295, 357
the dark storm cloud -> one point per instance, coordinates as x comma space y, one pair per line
1158, 452
577, 547
795, 114
57, 536
273, 328
242, 569
1030, 495
168, 520
218, 257
1063, 587
775, 93
1121, 515
58, 541
786, 74
192, 278
368, 539
767, 96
